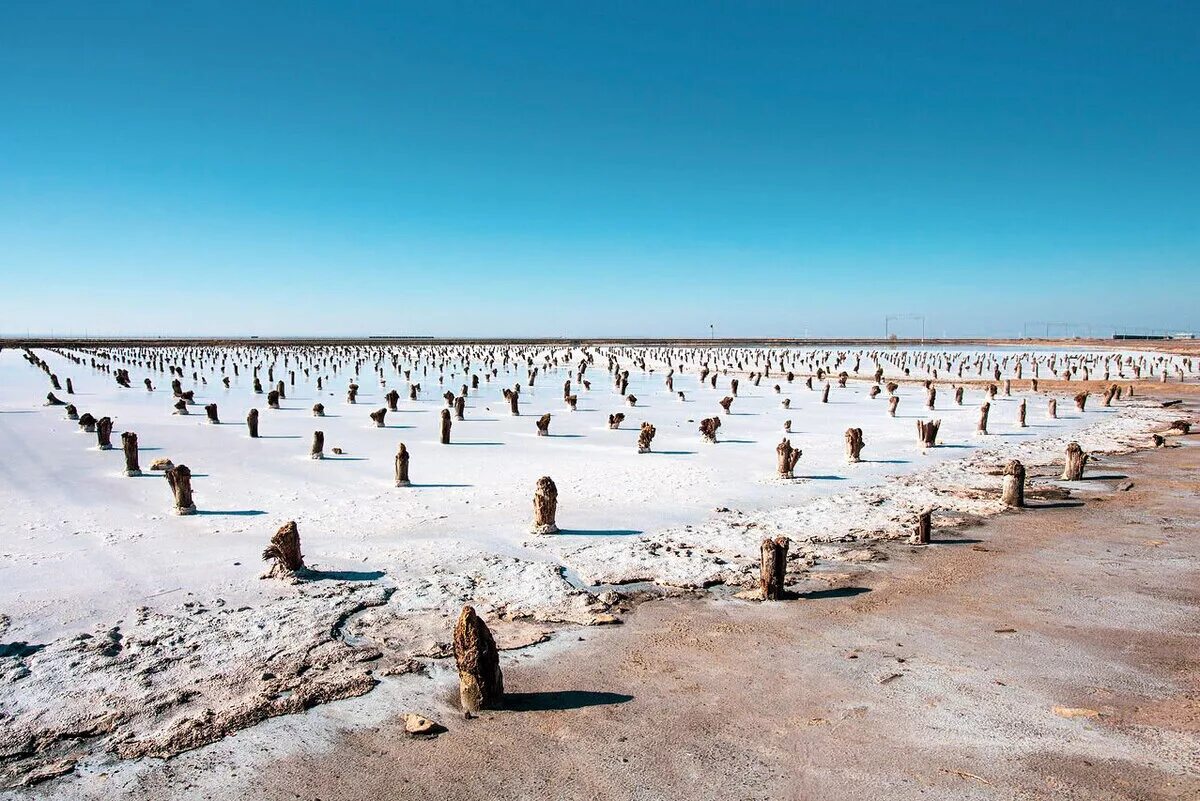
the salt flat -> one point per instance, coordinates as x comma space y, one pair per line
136, 631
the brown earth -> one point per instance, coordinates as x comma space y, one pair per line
1051, 653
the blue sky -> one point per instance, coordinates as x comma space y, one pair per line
597, 169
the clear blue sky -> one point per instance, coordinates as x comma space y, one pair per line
597, 168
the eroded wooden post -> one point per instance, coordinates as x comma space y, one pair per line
284, 552
104, 428
480, 681
402, 467
252, 423
645, 437
129, 444
543, 425
787, 458
1013, 493
923, 529
545, 506
854, 444
773, 568
179, 478
318, 445
445, 427
1075, 464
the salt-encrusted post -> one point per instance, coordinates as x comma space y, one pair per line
1081, 400
923, 529
104, 433
545, 506
71, 412
284, 552
480, 682
1013, 493
825, 393
1021, 414
930, 396
958, 396
854, 444
87, 422
708, 428
893, 402
273, 399
402, 467
377, 417
445, 427
318, 445
393, 399
513, 399
726, 402
773, 568
927, 432
645, 437
983, 417
130, 446
318, 410
460, 407
1052, 409
543, 425
179, 478
1076, 462
615, 420
787, 458
210, 409
252, 423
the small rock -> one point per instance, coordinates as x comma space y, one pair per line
1125, 486
416, 725
161, 464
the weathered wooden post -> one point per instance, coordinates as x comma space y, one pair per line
252, 423
104, 428
1076, 462
772, 574
923, 529
318, 445
210, 409
377, 417
726, 402
402, 467
513, 399
1081, 401
129, 444
543, 425
615, 420
545, 506
854, 444
179, 478
87, 422
645, 437
927, 432
284, 552
930, 396
893, 402
1013, 493
787, 458
825, 394
352, 393
273, 399
958, 396
874, 393
393, 399
445, 427
1021, 414
1052, 409
708, 428
71, 412
480, 681
983, 417
51, 400
460, 407
318, 410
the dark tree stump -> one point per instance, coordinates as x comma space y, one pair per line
284, 552
445, 427
378, 416
786, 458
104, 428
211, 410
615, 420
273, 399
460, 407
543, 425
854, 444
129, 445
1052, 409
393, 399
545, 506
1076, 462
772, 573
179, 478
402, 467
318, 445
87, 422
921, 533
480, 682
893, 402
645, 437
825, 394
51, 400
252, 423
1013, 493
1021, 414
318, 410
927, 432
708, 428
983, 417
71, 411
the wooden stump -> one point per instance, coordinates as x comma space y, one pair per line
983, 417
318, 410
513, 399
631, 400
273, 399
645, 437
1081, 401
1013, 493
445, 427
825, 394
51, 400
893, 402
786, 403
726, 402
773, 568
129, 445
318, 445
71, 412
892, 386
930, 396
854, 444
958, 396
708, 428
402, 467
787, 426
87, 422
377, 417
284, 552
1076, 462
252, 423
1021, 414
210, 409
543, 425
545, 506
927, 432
615, 420
104, 433
352, 393
480, 681
460, 407
393, 400
179, 478
874, 393
923, 529
1158, 439
1052, 409
787, 458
